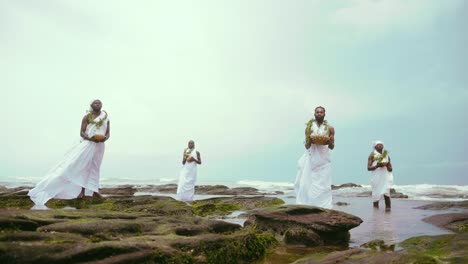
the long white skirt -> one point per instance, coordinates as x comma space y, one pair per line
313, 180
381, 182
79, 168
186, 185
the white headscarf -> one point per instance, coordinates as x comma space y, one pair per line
375, 143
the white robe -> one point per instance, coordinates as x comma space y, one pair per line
79, 168
313, 179
381, 180
187, 178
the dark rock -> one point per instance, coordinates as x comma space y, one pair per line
302, 236
395, 194
223, 227
220, 206
342, 203
345, 185
17, 191
331, 226
444, 205
125, 190
13, 223
188, 231
456, 222
211, 189
207, 189
166, 188
425, 249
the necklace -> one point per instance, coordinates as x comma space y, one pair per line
99, 122
380, 157
188, 151
309, 130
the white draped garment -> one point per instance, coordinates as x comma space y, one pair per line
313, 179
381, 180
187, 178
79, 168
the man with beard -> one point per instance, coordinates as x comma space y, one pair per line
77, 174
313, 180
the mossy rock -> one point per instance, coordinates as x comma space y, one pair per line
378, 245
245, 246
107, 229
204, 209
14, 224
221, 206
302, 236
16, 202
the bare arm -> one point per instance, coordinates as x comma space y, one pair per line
84, 123
184, 158
198, 160
107, 131
331, 141
389, 165
370, 160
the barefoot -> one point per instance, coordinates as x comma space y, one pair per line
97, 195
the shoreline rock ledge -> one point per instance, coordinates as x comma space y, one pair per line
304, 225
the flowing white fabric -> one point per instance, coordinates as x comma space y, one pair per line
313, 179
79, 168
381, 180
187, 178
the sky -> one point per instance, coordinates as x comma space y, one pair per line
241, 78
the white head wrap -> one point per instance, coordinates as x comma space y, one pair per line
375, 143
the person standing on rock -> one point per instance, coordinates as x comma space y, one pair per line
77, 174
188, 175
313, 179
380, 165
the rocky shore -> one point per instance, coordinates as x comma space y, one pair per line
124, 228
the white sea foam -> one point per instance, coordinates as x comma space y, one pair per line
267, 186
428, 192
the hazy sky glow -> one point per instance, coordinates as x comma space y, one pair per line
241, 78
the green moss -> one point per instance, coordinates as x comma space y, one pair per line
246, 250
462, 228
273, 202
75, 203
101, 252
16, 202
204, 209
9, 224
104, 229
438, 246
167, 259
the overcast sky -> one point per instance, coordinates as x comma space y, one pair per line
241, 78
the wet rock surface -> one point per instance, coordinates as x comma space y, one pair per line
295, 224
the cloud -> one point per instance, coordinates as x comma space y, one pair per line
383, 15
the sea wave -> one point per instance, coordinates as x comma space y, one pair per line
431, 192
267, 186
